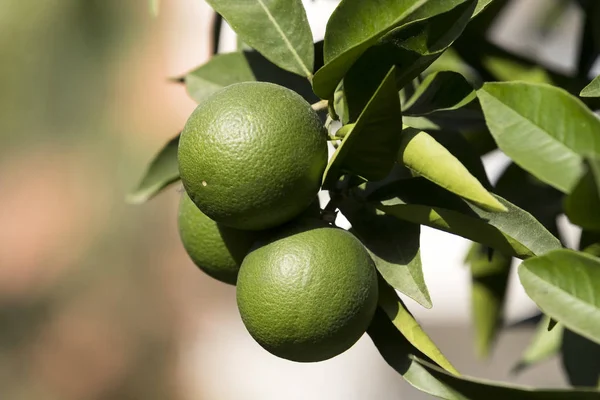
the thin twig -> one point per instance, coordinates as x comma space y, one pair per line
320, 105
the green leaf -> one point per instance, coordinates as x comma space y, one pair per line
220, 71
593, 89
566, 286
412, 48
542, 128
278, 29
477, 389
348, 36
489, 281
369, 149
396, 350
440, 91
581, 360
406, 324
394, 246
162, 171
582, 205
529, 193
424, 155
544, 344
506, 69
515, 233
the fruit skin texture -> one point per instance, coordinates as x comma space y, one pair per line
217, 250
252, 155
308, 293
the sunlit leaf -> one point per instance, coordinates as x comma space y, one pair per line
566, 286
515, 233
409, 327
593, 89
423, 154
278, 29
542, 128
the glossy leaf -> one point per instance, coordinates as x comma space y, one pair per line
593, 89
162, 171
477, 389
278, 29
412, 48
489, 282
529, 193
220, 71
566, 286
542, 128
582, 206
581, 360
515, 233
544, 345
406, 324
440, 91
396, 350
394, 246
348, 37
369, 150
424, 155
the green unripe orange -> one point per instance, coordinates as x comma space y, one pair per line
216, 249
252, 155
308, 293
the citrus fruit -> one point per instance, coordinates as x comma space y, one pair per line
252, 155
217, 250
307, 293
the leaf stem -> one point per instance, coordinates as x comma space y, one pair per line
320, 105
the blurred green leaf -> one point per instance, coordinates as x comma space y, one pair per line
581, 360
278, 29
565, 284
412, 48
506, 69
489, 281
394, 246
424, 155
476, 389
582, 206
440, 91
589, 242
162, 171
593, 89
396, 350
369, 150
220, 71
544, 344
514, 233
409, 327
154, 7
542, 128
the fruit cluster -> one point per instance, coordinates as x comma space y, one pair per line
251, 159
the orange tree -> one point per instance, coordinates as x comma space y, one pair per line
411, 94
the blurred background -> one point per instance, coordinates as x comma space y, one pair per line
97, 298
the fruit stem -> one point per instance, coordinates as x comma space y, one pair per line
320, 105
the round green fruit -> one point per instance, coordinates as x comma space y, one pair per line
252, 156
308, 293
216, 249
